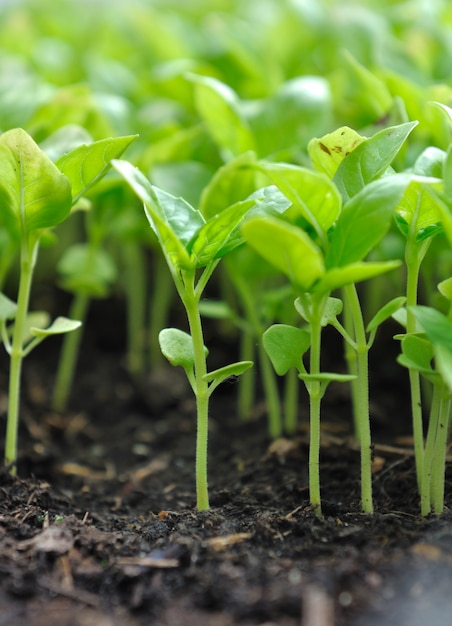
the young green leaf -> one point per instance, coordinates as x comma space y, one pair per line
8, 308
420, 207
219, 106
352, 273
177, 346
385, 313
59, 326
87, 271
172, 219
287, 247
328, 152
87, 164
285, 346
234, 369
34, 194
311, 193
364, 220
370, 159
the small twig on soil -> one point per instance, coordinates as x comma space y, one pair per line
79, 595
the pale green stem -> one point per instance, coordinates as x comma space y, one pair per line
292, 386
315, 397
439, 456
413, 262
362, 399
245, 396
69, 353
351, 358
162, 294
201, 389
425, 491
135, 288
268, 375
27, 263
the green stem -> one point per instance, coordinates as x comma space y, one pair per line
430, 450
27, 262
439, 456
69, 353
135, 287
315, 397
245, 396
291, 401
351, 358
201, 388
162, 294
268, 375
362, 398
413, 263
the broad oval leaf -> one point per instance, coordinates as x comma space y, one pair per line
222, 373
385, 312
328, 152
352, 273
311, 193
34, 194
285, 346
287, 247
370, 159
177, 346
88, 163
364, 220
420, 207
174, 223
87, 271
59, 326
219, 107
8, 308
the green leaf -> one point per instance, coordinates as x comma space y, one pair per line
174, 223
311, 193
34, 194
445, 288
177, 346
370, 159
219, 107
352, 273
8, 308
438, 329
59, 326
430, 163
328, 152
417, 354
385, 313
211, 240
221, 374
420, 206
285, 346
87, 164
327, 377
332, 308
88, 271
364, 220
287, 247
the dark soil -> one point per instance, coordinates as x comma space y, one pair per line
100, 527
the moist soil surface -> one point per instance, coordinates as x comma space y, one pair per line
100, 527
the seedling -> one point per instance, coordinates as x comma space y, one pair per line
193, 247
86, 269
319, 263
35, 196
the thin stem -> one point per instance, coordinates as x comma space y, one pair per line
413, 263
430, 450
315, 397
291, 401
245, 397
69, 353
135, 287
362, 398
191, 302
439, 456
27, 262
351, 358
